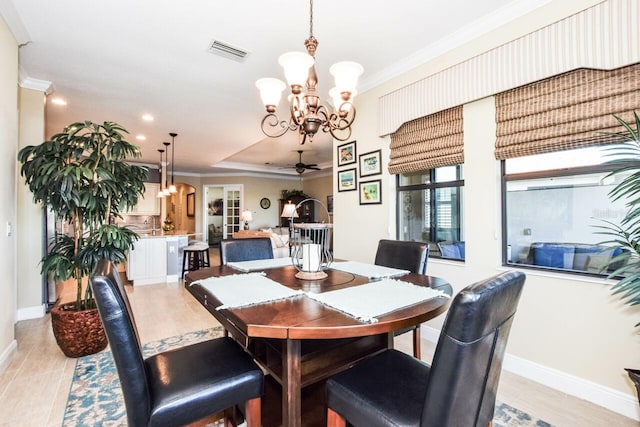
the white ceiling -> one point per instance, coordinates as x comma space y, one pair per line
119, 59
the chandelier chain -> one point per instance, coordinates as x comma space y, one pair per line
310, 18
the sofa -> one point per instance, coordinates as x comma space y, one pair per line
215, 234
573, 256
279, 239
454, 250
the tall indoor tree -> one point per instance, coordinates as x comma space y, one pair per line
83, 176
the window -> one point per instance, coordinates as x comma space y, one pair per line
552, 206
430, 208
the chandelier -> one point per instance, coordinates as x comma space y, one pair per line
308, 115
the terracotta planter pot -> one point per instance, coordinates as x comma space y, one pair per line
634, 374
78, 333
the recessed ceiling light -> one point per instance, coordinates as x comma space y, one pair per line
147, 117
141, 137
59, 101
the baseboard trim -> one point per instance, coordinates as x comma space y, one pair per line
34, 312
614, 400
7, 355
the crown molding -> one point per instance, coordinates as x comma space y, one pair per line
27, 82
11, 17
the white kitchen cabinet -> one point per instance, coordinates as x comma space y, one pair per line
148, 203
147, 261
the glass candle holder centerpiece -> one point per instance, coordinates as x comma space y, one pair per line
311, 246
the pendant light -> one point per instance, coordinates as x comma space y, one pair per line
165, 190
160, 192
172, 187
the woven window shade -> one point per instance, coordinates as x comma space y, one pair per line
428, 142
571, 110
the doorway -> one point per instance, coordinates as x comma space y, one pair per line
177, 211
222, 205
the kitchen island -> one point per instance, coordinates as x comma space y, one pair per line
157, 257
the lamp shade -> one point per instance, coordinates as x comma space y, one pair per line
270, 90
289, 210
246, 216
173, 189
346, 74
296, 67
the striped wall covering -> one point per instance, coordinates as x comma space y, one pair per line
606, 36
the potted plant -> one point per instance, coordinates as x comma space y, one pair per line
626, 235
82, 176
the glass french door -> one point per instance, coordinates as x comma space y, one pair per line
232, 209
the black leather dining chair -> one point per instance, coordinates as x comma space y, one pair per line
458, 389
253, 248
179, 386
404, 255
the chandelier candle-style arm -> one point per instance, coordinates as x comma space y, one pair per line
307, 114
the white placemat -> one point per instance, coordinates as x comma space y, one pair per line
372, 300
260, 264
371, 271
241, 290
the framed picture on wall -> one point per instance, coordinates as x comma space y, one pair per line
370, 163
347, 180
370, 193
215, 207
191, 204
347, 153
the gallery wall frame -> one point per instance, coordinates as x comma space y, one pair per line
347, 180
370, 163
347, 153
370, 192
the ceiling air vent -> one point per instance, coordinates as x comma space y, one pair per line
228, 51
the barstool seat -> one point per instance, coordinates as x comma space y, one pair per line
195, 257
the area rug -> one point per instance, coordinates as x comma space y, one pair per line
95, 397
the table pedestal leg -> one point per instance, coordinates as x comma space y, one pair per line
291, 393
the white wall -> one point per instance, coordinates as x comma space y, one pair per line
569, 332
29, 228
8, 149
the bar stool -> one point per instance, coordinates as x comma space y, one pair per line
195, 257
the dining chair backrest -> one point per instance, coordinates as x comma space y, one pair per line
466, 366
253, 248
402, 254
120, 327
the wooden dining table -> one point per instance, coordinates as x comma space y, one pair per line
301, 342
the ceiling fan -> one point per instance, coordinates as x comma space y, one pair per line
301, 167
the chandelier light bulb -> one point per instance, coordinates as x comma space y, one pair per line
270, 92
296, 68
346, 74
173, 189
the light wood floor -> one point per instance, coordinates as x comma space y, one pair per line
34, 387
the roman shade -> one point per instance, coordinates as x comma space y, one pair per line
428, 142
567, 111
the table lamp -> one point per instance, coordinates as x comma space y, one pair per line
289, 211
246, 216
